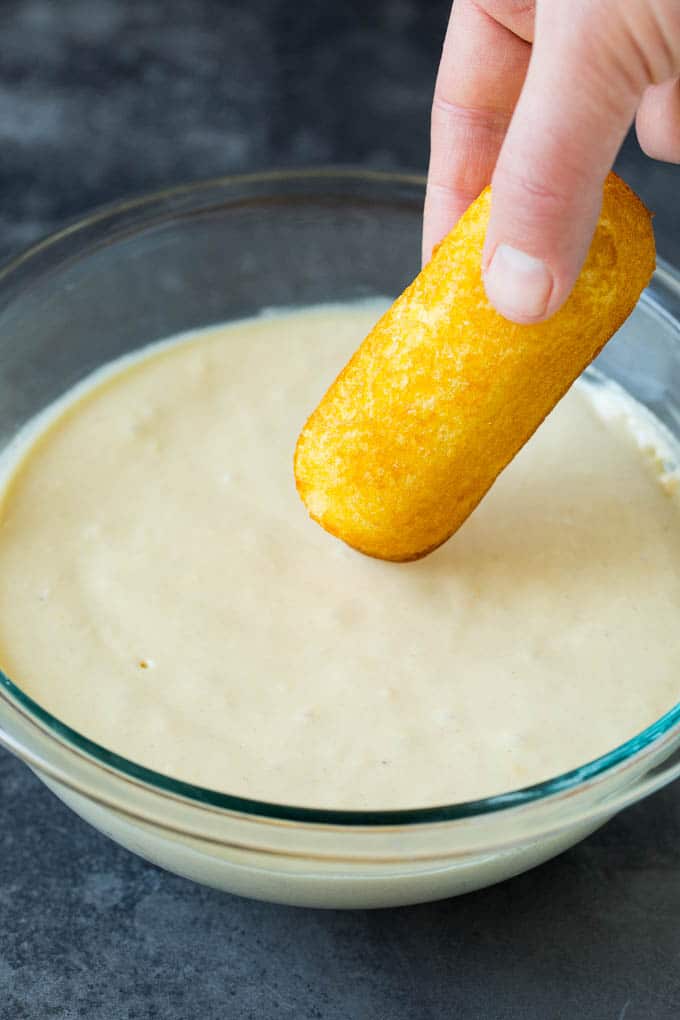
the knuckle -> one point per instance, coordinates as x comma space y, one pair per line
468, 117
666, 20
645, 41
450, 191
525, 187
515, 15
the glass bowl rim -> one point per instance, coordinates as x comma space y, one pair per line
13, 696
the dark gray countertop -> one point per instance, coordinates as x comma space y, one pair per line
101, 98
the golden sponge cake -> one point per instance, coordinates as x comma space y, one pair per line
444, 391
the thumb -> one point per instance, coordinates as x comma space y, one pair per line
572, 115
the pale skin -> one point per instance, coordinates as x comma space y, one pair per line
536, 99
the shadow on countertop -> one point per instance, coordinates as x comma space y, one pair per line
89, 930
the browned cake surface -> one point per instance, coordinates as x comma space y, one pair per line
443, 391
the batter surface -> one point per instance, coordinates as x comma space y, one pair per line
163, 591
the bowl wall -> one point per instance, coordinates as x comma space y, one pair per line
219, 251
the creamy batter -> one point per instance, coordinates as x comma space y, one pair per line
163, 591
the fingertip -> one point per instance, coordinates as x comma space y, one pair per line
657, 122
427, 246
429, 238
443, 209
518, 285
536, 243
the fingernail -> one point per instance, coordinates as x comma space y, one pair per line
517, 284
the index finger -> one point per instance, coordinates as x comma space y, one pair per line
480, 77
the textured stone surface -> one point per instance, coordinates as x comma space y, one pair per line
100, 98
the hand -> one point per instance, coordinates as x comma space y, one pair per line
543, 123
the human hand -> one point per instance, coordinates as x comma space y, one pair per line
536, 98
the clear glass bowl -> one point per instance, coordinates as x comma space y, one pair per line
207, 253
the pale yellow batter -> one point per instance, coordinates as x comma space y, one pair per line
163, 591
